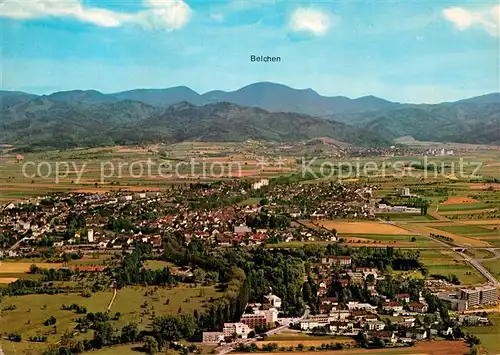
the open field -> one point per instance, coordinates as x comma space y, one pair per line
99, 170
160, 301
459, 240
135, 304
452, 200
306, 341
489, 336
19, 267
422, 348
11, 271
443, 208
344, 227
445, 262
32, 310
493, 266
395, 240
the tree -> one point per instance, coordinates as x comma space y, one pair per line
167, 328
188, 325
150, 344
129, 333
198, 275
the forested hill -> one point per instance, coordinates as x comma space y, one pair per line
46, 123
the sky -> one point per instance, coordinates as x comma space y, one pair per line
420, 51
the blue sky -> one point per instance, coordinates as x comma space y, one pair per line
407, 51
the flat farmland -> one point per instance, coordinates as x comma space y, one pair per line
347, 227
11, 271
460, 240
151, 168
288, 341
446, 262
443, 208
422, 348
395, 240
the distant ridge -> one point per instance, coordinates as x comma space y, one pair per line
472, 120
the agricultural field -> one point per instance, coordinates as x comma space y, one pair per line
290, 338
134, 168
348, 227
445, 262
422, 348
395, 240
11, 271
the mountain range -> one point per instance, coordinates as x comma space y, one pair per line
264, 111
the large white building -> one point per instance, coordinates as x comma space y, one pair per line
273, 301
236, 329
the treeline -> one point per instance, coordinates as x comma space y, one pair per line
441, 237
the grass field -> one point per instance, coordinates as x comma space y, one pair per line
32, 310
479, 253
490, 335
493, 266
183, 298
469, 230
396, 240
445, 262
135, 304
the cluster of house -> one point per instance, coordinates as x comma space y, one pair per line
257, 316
384, 208
466, 298
356, 276
363, 317
323, 201
440, 152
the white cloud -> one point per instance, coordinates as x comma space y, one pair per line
464, 19
167, 14
313, 21
217, 17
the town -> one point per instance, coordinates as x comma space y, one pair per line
240, 235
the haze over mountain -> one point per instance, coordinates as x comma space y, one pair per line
268, 96
257, 111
